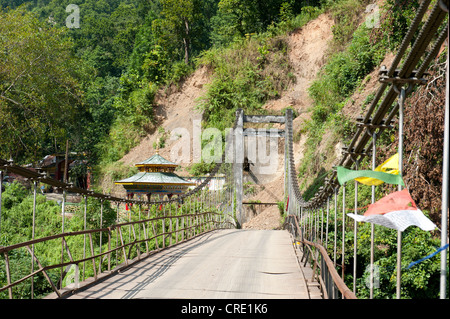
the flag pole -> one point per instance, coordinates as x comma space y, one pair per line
400, 168
445, 185
372, 226
343, 231
355, 237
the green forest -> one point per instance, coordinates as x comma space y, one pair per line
93, 81
94, 85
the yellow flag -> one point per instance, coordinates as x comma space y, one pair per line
390, 166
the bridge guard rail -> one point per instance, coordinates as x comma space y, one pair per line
330, 282
179, 228
176, 219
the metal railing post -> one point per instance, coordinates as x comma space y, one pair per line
84, 236
321, 225
445, 177
343, 231
117, 232
355, 237
101, 233
1, 191
335, 225
372, 226
328, 217
32, 235
63, 211
401, 101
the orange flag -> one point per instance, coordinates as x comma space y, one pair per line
400, 200
396, 211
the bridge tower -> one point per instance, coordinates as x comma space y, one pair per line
240, 151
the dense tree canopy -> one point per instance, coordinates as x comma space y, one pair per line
94, 84
40, 91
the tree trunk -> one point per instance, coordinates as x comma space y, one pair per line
186, 43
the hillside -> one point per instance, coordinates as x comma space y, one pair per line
308, 51
176, 106
320, 60
307, 54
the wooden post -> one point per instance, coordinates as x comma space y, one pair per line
66, 163
91, 244
8, 274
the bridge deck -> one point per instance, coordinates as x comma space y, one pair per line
221, 264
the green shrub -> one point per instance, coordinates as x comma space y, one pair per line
13, 194
280, 206
178, 71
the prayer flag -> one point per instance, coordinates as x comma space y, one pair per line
370, 177
390, 166
396, 211
385, 173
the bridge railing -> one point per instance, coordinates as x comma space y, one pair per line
145, 237
129, 230
324, 271
168, 222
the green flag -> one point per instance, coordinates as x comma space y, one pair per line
345, 175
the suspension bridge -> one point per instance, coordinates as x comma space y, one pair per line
192, 245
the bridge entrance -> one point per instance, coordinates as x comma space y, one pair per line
250, 150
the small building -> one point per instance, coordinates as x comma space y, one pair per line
156, 176
53, 165
77, 168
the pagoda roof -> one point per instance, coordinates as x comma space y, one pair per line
160, 178
156, 160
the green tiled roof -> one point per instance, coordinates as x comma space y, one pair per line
155, 178
156, 160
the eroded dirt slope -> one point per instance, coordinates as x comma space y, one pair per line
307, 54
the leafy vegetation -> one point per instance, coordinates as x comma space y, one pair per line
123, 52
419, 281
38, 83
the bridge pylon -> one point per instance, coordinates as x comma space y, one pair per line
241, 155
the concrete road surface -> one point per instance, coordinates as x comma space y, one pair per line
221, 264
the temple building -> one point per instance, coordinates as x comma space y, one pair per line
155, 177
